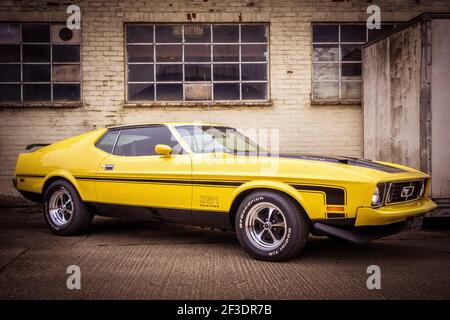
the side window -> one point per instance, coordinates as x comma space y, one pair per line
106, 143
142, 141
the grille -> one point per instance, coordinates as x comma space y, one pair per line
404, 191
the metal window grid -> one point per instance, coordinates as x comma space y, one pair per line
211, 63
49, 63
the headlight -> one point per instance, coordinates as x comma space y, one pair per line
422, 190
377, 196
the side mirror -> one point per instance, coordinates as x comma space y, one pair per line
164, 150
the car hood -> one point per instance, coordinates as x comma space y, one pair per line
337, 168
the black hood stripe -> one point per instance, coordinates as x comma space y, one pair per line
346, 160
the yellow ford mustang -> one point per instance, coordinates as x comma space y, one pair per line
214, 176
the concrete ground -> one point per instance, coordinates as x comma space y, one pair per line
134, 260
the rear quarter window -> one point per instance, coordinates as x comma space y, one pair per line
106, 143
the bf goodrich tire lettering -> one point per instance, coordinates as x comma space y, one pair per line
270, 226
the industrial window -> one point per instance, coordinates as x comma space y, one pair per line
336, 71
39, 63
197, 62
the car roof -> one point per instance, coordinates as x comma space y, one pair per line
174, 124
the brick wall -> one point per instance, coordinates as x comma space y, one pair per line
303, 128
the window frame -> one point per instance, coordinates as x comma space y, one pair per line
120, 129
211, 63
339, 43
51, 63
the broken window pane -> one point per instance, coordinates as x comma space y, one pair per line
200, 72
9, 33
139, 33
35, 33
325, 52
9, 72
226, 91
36, 92
224, 72
36, 72
9, 53
168, 33
140, 53
169, 72
325, 33
351, 71
169, 53
225, 33
326, 91
66, 92
197, 53
66, 73
353, 33
62, 34
141, 92
254, 52
254, 91
66, 53
197, 91
225, 53
197, 33
254, 71
36, 53
325, 71
351, 52
140, 72
254, 33
169, 92
9, 92
351, 90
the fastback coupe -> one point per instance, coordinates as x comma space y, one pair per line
214, 176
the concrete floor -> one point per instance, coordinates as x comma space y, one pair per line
133, 260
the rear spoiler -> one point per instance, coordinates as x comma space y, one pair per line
34, 145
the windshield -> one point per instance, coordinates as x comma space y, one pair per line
207, 139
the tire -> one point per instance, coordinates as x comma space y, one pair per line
66, 220
281, 239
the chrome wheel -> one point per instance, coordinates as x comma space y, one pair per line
265, 226
60, 207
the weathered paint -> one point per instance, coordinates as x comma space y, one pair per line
440, 108
406, 99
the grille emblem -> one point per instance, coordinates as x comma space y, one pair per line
407, 191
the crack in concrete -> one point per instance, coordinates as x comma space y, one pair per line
21, 253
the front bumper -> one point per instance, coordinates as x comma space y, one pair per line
392, 213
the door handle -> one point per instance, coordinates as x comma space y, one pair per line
108, 167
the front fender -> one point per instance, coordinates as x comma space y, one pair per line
282, 187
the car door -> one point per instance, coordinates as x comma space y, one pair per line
134, 175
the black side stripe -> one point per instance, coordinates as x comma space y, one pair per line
335, 196
30, 176
197, 182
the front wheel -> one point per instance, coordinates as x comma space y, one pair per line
270, 226
64, 210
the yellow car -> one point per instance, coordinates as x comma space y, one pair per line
214, 176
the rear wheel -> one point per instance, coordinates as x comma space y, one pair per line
64, 211
270, 226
